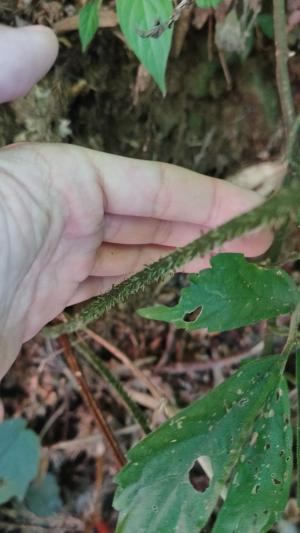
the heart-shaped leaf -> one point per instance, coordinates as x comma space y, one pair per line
137, 16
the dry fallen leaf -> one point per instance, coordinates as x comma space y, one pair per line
264, 178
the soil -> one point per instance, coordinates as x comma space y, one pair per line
96, 100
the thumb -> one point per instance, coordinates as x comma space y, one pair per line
26, 54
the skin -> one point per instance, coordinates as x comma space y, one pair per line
73, 221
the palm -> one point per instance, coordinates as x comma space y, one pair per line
61, 228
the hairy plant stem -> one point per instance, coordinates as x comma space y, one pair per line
95, 362
273, 211
282, 74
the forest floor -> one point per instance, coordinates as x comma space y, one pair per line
103, 100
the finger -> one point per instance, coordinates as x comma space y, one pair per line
118, 260
252, 245
93, 286
143, 231
26, 54
167, 192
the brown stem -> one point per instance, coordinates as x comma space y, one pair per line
88, 398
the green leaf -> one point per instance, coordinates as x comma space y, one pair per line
89, 22
233, 293
154, 493
43, 497
260, 488
19, 459
266, 24
142, 15
208, 3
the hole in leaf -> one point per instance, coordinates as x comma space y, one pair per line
201, 473
193, 315
276, 481
278, 394
267, 446
255, 489
286, 420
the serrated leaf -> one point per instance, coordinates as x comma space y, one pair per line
136, 16
208, 3
43, 497
19, 459
233, 293
89, 22
260, 487
154, 493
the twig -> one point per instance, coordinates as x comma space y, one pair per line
107, 19
282, 74
82, 443
180, 368
51, 420
285, 202
87, 396
96, 363
225, 69
121, 356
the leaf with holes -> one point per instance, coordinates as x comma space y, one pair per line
19, 459
154, 493
136, 16
89, 22
233, 293
259, 490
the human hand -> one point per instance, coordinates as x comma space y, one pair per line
73, 222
